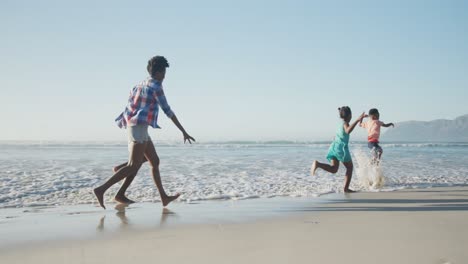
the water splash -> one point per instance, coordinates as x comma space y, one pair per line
369, 174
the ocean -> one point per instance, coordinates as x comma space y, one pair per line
52, 173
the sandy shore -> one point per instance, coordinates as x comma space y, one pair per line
409, 226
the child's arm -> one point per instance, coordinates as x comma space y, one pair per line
349, 128
362, 124
387, 125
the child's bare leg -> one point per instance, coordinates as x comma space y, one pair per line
313, 168
131, 168
348, 176
332, 168
153, 159
374, 156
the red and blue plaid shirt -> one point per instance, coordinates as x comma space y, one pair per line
143, 105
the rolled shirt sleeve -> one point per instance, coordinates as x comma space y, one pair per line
162, 101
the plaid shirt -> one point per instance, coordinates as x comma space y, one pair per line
143, 105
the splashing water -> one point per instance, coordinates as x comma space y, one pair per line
369, 174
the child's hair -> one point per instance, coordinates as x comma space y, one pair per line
345, 111
373, 112
157, 64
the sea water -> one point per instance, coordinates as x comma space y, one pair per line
52, 173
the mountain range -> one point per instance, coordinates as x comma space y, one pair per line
440, 130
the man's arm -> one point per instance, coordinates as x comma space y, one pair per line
161, 98
170, 114
181, 128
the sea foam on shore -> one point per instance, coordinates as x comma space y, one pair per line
46, 174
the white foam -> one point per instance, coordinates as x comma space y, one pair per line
34, 175
370, 174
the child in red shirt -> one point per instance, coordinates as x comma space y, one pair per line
373, 133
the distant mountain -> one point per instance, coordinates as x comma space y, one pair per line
441, 130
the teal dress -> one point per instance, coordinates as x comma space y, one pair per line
339, 147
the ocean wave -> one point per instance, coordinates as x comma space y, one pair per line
224, 144
66, 175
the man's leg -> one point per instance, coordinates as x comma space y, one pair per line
118, 167
153, 160
120, 196
135, 161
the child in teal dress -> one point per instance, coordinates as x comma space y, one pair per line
339, 150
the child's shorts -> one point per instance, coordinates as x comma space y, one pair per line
374, 146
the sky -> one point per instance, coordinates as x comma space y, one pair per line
239, 70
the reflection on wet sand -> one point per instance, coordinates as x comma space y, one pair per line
125, 222
164, 215
100, 226
121, 214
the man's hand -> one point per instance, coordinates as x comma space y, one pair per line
189, 138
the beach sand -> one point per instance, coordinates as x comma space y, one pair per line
407, 226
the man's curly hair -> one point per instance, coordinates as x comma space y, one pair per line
157, 64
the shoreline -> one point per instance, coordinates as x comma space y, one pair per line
426, 224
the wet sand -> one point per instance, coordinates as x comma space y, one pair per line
408, 226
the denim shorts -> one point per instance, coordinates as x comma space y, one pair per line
138, 134
374, 146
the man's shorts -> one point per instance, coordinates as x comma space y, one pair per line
138, 134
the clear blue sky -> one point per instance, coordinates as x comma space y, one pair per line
243, 70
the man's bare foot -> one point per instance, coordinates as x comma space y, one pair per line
349, 191
123, 199
100, 196
165, 201
313, 168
